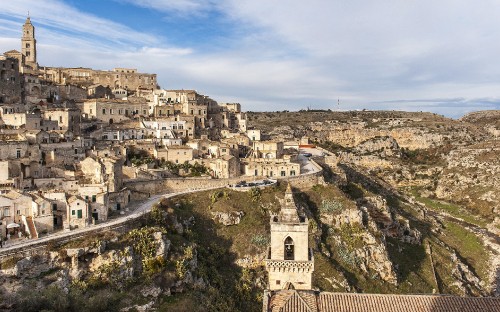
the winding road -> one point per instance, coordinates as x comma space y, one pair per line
307, 167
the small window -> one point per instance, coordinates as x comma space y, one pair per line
289, 249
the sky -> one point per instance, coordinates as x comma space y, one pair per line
415, 55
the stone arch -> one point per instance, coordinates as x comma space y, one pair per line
289, 249
35, 90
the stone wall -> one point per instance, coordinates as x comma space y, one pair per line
172, 185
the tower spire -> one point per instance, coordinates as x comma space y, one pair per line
28, 44
290, 261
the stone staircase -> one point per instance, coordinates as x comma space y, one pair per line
31, 227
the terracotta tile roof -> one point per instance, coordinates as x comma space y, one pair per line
293, 301
305, 301
345, 302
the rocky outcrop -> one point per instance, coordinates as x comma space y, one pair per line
472, 176
385, 146
227, 218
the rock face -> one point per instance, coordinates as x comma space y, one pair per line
382, 146
351, 230
227, 218
475, 171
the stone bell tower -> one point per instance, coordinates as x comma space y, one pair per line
28, 44
290, 261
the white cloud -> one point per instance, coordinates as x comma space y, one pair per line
188, 6
293, 54
55, 14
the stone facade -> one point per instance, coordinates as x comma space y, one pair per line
290, 262
10, 80
127, 79
262, 167
112, 111
28, 44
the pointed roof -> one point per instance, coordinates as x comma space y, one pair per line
293, 301
10, 52
289, 212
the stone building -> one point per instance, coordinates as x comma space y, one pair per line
112, 111
119, 78
67, 118
267, 149
28, 45
290, 261
262, 167
175, 153
313, 301
78, 216
225, 167
10, 80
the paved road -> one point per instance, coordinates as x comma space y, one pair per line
144, 207
305, 165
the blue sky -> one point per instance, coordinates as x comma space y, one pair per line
438, 56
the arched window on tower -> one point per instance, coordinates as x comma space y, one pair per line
289, 249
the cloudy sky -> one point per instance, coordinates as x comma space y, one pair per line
419, 55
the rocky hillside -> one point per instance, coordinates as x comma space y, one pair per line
409, 205
438, 157
208, 247
446, 168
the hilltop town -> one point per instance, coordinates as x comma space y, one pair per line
117, 194
73, 137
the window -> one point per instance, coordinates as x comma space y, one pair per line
111, 111
79, 212
91, 111
283, 173
6, 212
104, 111
94, 198
73, 212
54, 206
292, 172
18, 154
289, 249
278, 282
28, 53
27, 45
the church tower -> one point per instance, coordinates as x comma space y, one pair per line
28, 44
290, 261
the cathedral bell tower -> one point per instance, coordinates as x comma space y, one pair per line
290, 261
28, 44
